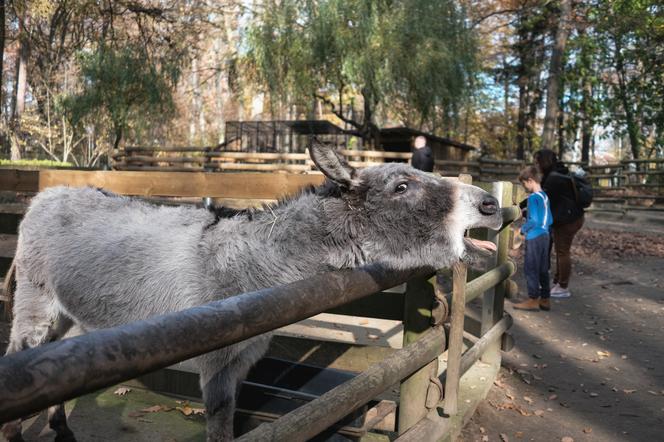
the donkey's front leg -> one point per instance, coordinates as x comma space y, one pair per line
220, 390
219, 397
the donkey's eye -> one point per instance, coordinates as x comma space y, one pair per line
401, 188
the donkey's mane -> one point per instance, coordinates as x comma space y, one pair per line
328, 189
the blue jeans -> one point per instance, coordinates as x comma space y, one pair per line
536, 267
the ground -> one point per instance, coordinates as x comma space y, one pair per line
592, 369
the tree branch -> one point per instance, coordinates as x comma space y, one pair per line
334, 110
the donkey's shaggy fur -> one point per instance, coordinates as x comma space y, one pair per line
101, 260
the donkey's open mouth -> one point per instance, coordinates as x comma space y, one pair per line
478, 246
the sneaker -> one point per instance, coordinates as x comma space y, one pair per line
531, 304
559, 292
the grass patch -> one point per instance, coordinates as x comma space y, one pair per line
35, 163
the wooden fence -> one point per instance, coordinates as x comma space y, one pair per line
196, 159
426, 410
628, 185
634, 179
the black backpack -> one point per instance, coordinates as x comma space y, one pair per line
583, 190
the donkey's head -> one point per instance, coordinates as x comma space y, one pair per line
404, 217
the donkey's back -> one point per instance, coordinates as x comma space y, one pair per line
97, 256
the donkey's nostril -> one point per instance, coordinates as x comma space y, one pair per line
489, 205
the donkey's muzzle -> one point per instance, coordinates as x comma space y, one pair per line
489, 205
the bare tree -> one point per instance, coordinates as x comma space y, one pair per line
555, 73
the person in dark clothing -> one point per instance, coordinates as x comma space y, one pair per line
422, 155
568, 216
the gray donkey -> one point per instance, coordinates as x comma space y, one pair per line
98, 260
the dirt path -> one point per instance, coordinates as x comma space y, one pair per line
592, 369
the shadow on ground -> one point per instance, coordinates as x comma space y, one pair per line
592, 368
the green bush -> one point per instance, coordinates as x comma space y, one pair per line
34, 163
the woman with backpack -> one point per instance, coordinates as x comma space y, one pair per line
567, 201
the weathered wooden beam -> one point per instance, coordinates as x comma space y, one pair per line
435, 426
416, 322
176, 184
458, 308
489, 279
494, 299
376, 154
19, 180
319, 414
164, 159
456, 339
34, 379
139, 149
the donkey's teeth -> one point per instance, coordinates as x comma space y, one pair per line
485, 245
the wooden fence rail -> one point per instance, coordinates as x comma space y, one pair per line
61, 370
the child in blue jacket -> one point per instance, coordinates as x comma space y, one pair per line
536, 230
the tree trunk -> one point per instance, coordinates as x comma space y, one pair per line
586, 123
369, 131
22, 74
561, 131
521, 119
2, 46
118, 138
632, 128
555, 73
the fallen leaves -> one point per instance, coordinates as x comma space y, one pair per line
510, 406
188, 411
122, 391
184, 408
623, 244
156, 409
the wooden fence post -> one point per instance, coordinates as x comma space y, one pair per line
417, 321
493, 300
455, 347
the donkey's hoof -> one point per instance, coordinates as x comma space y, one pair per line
65, 437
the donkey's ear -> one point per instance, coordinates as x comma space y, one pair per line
332, 165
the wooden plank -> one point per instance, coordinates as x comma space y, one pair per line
469, 164
166, 149
455, 347
383, 305
137, 168
258, 156
164, 159
416, 324
178, 184
493, 302
376, 154
262, 167
19, 180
